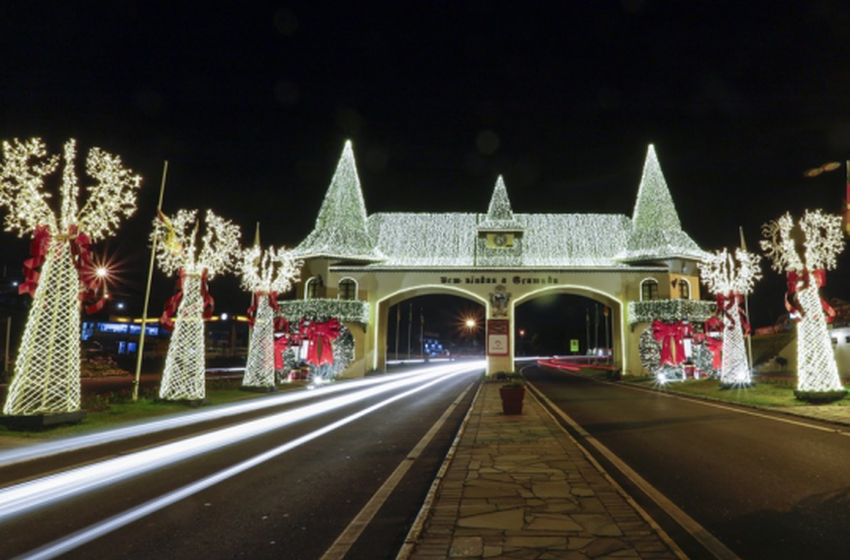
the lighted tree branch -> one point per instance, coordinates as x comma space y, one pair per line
822, 240
265, 274
47, 370
178, 252
729, 279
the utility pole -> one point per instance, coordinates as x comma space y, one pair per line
409, 327
397, 328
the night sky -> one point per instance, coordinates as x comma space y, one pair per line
251, 102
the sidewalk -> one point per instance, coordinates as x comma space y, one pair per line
519, 487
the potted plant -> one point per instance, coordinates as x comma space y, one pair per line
512, 392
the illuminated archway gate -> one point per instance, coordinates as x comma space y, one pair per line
499, 259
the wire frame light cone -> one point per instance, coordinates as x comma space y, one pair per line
259, 370
818, 371
185, 366
47, 369
735, 368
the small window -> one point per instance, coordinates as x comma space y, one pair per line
312, 289
649, 290
834, 339
847, 339
684, 289
347, 289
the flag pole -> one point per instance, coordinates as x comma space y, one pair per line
148, 291
747, 306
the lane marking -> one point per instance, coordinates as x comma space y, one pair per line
349, 536
697, 531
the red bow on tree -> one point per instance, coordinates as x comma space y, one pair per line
38, 249
804, 278
280, 324
81, 256
714, 344
173, 303
320, 336
725, 304
671, 336
209, 302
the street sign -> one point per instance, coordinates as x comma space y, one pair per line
574, 345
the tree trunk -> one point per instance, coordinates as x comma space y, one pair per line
259, 370
816, 367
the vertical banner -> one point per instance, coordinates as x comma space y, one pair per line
498, 337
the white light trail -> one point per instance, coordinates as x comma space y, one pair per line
27, 496
61, 546
39, 450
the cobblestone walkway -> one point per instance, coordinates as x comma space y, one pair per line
519, 487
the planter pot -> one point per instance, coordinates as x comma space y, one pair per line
512, 399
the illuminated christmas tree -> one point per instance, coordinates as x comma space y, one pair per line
47, 369
730, 281
265, 274
822, 240
177, 253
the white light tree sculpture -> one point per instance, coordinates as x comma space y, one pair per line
822, 240
47, 369
177, 253
730, 281
265, 274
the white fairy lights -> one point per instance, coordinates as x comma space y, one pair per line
47, 370
178, 252
265, 274
817, 372
731, 278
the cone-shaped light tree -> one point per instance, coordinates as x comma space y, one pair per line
266, 274
47, 369
821, 239
730, 281
178, 253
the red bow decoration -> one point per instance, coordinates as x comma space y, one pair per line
284, 342
725, 304
322, 333
280, 324
173, 303
81, 256
793, 305
38, 249
715, 346
671, 336
209, 302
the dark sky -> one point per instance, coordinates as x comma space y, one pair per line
251, 102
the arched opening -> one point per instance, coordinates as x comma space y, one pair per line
560, 324
430, 323
649, 289
570, 321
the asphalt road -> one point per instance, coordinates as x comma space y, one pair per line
767, 486
291, 504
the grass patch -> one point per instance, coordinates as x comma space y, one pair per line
113, 409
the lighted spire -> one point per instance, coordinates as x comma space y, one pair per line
500, 215
656, 230
340, 229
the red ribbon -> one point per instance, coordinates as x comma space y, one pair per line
324, 333
284, 342
671, 336
793, 305
87, 271
173, 303
209, 302
38, 249
725, 304
280, 324
715, 346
